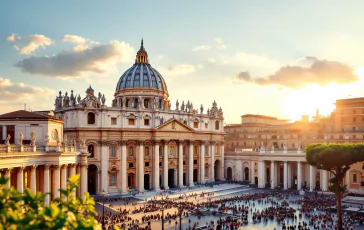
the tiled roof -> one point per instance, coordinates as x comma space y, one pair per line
25, 115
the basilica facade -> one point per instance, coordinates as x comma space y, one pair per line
141, 141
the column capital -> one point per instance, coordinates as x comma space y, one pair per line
156, 142
166, 141
47, 167
8, 169
212, 142
74, 165
64, 166
34, 166
272, 161
123, 142
56, 166
140, 143
21, 168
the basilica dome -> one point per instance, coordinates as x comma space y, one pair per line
141, 76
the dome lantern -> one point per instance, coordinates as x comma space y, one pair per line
142, 55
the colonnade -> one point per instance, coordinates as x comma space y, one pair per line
297, 174
46, 178
183, 159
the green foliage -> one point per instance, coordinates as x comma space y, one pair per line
335, 158
27, 210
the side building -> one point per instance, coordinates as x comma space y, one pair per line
33, 154
271, 149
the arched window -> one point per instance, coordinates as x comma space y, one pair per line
113, 179
113, 151
90, 149
217, 125
90, 118
131, 151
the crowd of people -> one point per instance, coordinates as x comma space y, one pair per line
286, 209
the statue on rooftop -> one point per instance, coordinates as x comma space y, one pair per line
21, 137
33, 138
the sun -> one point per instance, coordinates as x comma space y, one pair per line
305, 101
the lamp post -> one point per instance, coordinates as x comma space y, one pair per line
162, 209
103, 208
180, 209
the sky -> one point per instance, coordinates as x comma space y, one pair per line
276, 58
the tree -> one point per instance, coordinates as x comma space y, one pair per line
335, 158
27, 210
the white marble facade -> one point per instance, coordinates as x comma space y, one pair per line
141, 141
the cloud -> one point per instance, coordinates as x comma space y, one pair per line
178, 69
201, 48
242, 77
19, 91
34, 42
13, 38
309, 70
74, 39
220, 43
211, 60
73, 63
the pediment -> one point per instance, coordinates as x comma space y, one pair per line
174, 125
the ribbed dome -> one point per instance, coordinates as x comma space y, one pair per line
141, 75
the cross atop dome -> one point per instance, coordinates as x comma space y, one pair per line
142, 55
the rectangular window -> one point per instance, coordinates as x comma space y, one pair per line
355, 178
160, 164
195, 125
184, 162
146, 164
131, 121
112, 179
195, 162
113, 151
131, 165
146, 122
113, 121
206, 125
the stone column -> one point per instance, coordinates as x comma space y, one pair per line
64, 177
175, 177
260, 174
272, 177
20, 180
33, 179
180, 164
165, 165
56, 181
212, 158
73, 172
8, 176
222, 173
83, 184
46, 185
312, 181
124, 176
299, 176
190, 164
252, 176
325, 180
202, 163
140, 167
156, 166
4, 132
285, 169
289, 174
104, 153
